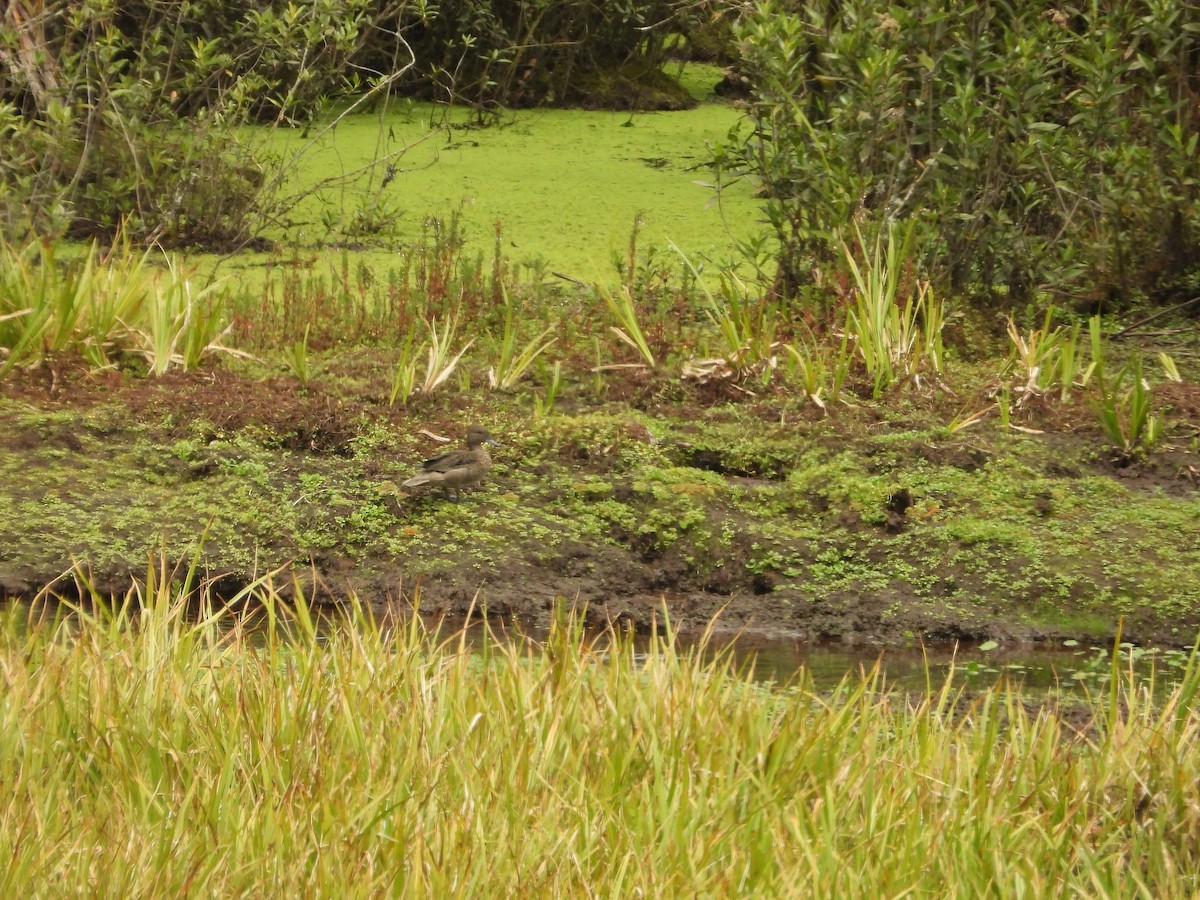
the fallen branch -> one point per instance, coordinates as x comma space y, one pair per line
1153, 316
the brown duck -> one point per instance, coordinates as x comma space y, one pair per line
455, 469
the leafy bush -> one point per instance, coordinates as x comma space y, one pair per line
124, 114
1044, 149
586, 52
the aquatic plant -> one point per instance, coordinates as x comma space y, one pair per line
1124, 413
1048, 357
628, 328
103, 306
179, 324
897, 340
543, 404
404, 379
439, 363
747, 324
511, 363
819, 368
296, 358
48, 308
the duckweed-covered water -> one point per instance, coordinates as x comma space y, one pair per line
563, 186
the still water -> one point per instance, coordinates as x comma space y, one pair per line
1068, 669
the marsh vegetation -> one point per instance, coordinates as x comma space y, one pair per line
382, 758
900, 347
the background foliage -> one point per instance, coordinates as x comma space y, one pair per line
583, 52
1046, 147
114, 111
1042, 149
127, 112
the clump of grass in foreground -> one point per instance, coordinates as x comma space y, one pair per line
160, 755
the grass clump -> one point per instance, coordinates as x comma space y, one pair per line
104, 306
191, 754
896, 341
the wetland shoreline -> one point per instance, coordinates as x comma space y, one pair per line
782, 521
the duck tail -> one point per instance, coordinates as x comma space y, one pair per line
423, 478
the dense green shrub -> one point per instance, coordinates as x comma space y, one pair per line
489, 53
1045, 148
125, 113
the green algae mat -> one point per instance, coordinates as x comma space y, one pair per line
563, 188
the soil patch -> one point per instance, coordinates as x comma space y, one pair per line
852, 526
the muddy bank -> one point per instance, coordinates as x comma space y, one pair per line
863, 525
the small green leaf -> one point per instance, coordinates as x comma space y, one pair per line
989, 645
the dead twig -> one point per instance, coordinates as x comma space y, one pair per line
1155, 316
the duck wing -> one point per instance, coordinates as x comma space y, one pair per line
444, 462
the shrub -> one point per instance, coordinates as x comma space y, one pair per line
125, 113
1044, 149
488, 54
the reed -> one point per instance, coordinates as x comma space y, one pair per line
624, 310
513, 360
152, 744
1125, 414
898, 341
1049, 357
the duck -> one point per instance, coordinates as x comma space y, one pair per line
456, 469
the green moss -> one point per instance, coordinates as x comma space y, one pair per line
990, 535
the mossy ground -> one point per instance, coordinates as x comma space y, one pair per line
874, 522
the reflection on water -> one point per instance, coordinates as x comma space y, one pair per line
1068, 669
1038, 669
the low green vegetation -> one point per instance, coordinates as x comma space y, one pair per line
918, 402
152, 747
661, 436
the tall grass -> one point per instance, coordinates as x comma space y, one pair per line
161, 753
898, 340
103, 306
